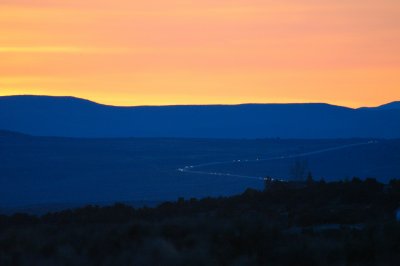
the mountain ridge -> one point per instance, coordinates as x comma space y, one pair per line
390, 106
78, 99
76, 117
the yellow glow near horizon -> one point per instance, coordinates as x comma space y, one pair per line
202, 52
40, 49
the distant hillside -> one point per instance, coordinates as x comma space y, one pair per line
73, 117
392, 105
10, 134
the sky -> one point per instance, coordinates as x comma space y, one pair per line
158, 52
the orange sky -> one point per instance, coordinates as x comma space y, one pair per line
128, 52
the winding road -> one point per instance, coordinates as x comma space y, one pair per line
192, 168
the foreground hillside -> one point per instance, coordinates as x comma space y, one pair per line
314, 223
73, 117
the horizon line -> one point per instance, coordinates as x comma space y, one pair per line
205, 104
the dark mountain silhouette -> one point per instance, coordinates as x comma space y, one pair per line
73, 117
11, 134
390, 106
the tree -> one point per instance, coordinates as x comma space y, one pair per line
299, 170
310, 179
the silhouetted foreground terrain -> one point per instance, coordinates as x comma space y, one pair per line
74, 117
314, 223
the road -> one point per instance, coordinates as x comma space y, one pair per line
192, 168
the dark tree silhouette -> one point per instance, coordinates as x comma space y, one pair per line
299, 170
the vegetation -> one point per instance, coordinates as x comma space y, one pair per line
310, 223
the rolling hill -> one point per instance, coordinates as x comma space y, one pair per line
74, 117
390, 106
